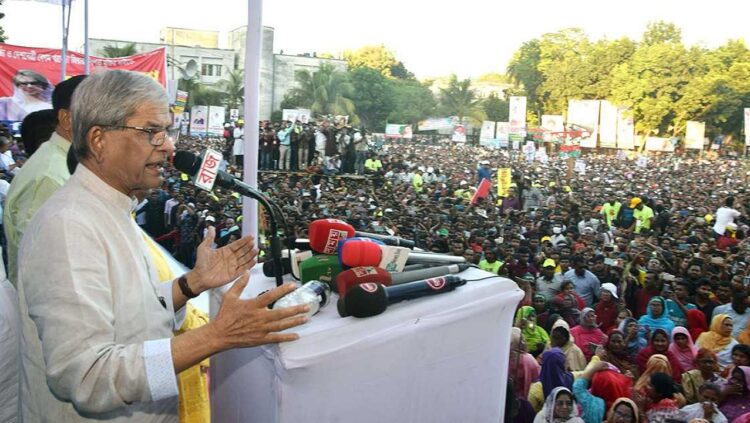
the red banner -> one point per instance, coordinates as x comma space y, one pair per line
31, 90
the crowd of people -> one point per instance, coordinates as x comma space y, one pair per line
634, 269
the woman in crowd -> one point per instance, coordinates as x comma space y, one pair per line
607, 308
740, 357
708, 408
559, 407
552, 375
592, 405
623, 410
561, 338
566, 305
633, 343
658, 363
706, 371
719, 339
524, 368
736, 394
615, 353
659, 345
535, 336
587, 335
663, 404
682, 348
655, 318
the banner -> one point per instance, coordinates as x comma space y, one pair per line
694, 135
503, 181
747, 126
28, 75
180, 102
293, 115
583, 115
395, 130
459, 133
199, 120
625, 130
234, 115
216, 120
488, 133
659, 144
553, 127
502, 132
517, 115
608, 125
434, 124
482, 191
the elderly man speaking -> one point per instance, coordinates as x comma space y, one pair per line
97, 322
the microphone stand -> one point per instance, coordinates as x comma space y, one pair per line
248, 191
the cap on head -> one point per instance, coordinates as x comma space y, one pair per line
634, 202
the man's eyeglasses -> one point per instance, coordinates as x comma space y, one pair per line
156, 136
31, 84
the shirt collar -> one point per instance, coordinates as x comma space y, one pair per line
60, 142
99, 188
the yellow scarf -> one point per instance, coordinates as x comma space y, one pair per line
713, 339
192, 383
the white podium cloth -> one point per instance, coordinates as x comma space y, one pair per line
434, 359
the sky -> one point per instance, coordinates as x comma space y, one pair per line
469, 38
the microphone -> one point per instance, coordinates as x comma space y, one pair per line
371, 299
367, 274
204, 174
356, 252
388, 240
430, 272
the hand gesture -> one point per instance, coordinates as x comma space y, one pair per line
249, 323
214, 268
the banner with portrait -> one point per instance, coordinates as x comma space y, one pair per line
28, 74
553, 127
583, 116
199, 120
459, 134
694, 135
487, 134
517, 115
398, 130
437, 123
293, 115
216, 120
502, 132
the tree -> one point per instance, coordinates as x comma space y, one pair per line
495, 108
413, 102
116, 51
523, 70
3, 37
326, 92
373, 96
399, 71
459, 99
234, 87
374, 57
660, 32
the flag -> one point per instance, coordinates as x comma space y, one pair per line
482, 191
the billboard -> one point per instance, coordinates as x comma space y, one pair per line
552, 124
215, 120
28, 75
488, 133
694, 135
607, 125
517, 115
199, 120
583, 115
625, 130
293, 115
397, 130
434, 124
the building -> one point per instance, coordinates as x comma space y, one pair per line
276, 70
213, 63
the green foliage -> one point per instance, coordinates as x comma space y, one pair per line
127, 49
373, 57
233, 87
495, 108
662, 82
373, 96
325, 92
3, 37
413, 102
459, 99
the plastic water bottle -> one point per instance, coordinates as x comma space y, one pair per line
313, 293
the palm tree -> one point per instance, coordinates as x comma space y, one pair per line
459, 99
234, 87
115, 51
326, 92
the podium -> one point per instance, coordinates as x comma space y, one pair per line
434, 359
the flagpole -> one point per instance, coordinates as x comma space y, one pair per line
64, 43
86, 52
252, 114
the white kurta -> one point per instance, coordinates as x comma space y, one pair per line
96, 337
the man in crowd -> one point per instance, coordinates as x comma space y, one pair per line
586, 283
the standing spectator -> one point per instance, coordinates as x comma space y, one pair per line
725, 215
586, 283
360, 151
285, 141
238, 148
